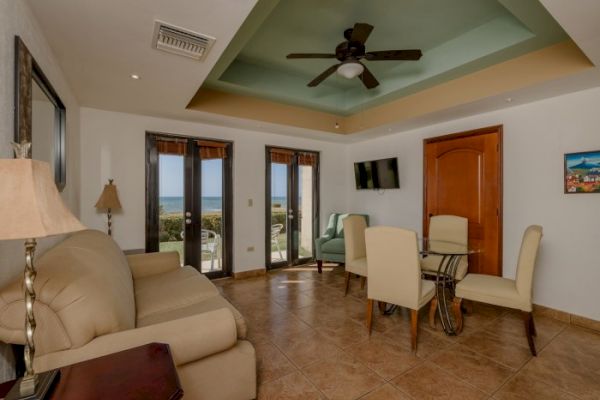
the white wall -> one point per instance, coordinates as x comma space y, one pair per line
113, 146
536, 136
17, 19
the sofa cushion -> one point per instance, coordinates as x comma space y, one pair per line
206, 305
172, 290
334, 246
84, 290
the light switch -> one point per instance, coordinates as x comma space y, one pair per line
250, 202
250, 248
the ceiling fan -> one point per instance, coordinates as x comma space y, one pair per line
351, 51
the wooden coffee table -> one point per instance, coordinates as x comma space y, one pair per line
145, 372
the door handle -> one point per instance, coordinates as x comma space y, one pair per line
188, 221
290, 216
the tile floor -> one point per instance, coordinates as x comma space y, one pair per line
311, 343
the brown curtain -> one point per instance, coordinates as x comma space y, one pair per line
282, 156
307, 159
211, 150
171, 147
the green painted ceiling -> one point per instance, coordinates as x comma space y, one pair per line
457, 37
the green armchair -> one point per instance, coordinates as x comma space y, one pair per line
330, 246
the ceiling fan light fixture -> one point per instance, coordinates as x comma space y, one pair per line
350, 69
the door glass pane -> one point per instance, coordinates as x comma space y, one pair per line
170, 200
279, 206
212, 215
305, 211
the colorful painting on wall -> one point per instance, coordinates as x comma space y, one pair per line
582, 172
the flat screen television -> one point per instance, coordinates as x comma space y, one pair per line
377, 174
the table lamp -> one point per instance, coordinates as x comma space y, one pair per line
109, 200
31, 208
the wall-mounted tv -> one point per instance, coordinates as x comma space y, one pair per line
377, 174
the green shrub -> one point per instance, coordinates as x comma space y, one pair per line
171, 225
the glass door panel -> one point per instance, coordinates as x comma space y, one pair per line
212, 215
305, 212
171, 203
278, 213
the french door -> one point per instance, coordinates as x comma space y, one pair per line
292, 206
189, 200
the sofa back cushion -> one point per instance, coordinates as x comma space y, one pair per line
84, 289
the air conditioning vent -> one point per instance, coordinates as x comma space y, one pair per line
181, 41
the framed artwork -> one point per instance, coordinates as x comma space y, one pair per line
582, 172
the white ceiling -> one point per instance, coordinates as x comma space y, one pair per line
100, 43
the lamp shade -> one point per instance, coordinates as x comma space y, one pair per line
109, 197
30, 205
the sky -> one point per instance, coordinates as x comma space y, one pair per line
171, 177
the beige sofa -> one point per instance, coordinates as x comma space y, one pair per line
93, 300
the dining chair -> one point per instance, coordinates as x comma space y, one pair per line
395, 274
446, 232
516, 294
355, 249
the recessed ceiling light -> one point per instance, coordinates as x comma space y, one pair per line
509, 99
134, 76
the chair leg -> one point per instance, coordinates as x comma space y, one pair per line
414, 324
432, 312
347, 286
533, 330
381, 305
369, 315
456, 307
527, 320
467, 307
320, 266
363, 279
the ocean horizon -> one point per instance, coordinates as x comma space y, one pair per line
174, 204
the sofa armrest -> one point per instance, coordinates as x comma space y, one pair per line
190, 339
147, 264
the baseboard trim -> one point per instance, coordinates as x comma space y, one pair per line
563, 316
253, 273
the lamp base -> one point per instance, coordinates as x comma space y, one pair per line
34, 388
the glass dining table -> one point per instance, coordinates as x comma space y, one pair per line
450, 255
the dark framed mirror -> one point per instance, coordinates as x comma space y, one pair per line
40, 115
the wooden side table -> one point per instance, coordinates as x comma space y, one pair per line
146, 372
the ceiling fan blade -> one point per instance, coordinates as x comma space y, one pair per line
368, 79
323, 75
410, 55
361, 32
310, 55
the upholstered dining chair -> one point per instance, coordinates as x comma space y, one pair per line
446, 232
503, 292
395, 274
356, 251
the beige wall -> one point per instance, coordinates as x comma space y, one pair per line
17, 19
113, 146
536, 136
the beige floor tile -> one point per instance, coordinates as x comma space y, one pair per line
521, 388
342, 378
344, 333
386, 392
271, 363
570, 362
290, 387
510, 325
384, 356
428, 382
307, 348
471, 367
505, 348
428, 343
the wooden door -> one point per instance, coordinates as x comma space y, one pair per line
463, 176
